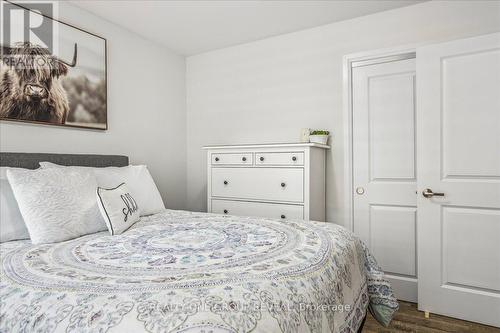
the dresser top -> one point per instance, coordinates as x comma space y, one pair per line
268, 145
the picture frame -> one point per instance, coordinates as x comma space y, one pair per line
75, 92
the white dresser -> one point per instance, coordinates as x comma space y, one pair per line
273, 180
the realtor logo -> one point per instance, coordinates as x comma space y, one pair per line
19, 25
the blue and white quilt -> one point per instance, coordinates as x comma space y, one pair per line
180, 271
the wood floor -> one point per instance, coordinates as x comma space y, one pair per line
409, 319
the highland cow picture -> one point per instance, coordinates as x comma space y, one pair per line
60, 84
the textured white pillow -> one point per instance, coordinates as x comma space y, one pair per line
12, 226
57, 204
137, 178
118, 208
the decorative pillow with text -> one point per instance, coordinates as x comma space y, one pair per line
118, 207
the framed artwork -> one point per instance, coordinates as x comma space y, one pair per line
55, 76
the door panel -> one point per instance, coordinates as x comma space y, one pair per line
397, 253
459, 226
391, 126
459, 155
384, 168
469, 121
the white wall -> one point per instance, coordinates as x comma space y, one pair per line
266, 91
146, 110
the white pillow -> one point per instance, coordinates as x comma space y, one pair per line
137, 178
57, 204
118, 208
12, 226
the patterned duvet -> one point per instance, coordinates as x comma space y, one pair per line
193, 272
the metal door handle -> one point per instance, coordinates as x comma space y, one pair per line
429, 194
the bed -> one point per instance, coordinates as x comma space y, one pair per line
179, 271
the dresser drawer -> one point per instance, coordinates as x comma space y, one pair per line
259, 209
279, 158
259, 183
232, 159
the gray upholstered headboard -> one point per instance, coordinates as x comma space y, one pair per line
30, 160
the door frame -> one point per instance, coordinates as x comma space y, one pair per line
377, 56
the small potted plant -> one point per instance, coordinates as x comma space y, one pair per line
319, 136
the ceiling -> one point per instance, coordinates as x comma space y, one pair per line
191, 27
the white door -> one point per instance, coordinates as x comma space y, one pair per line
458, 131
384, 173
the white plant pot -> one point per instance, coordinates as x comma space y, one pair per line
321, 139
